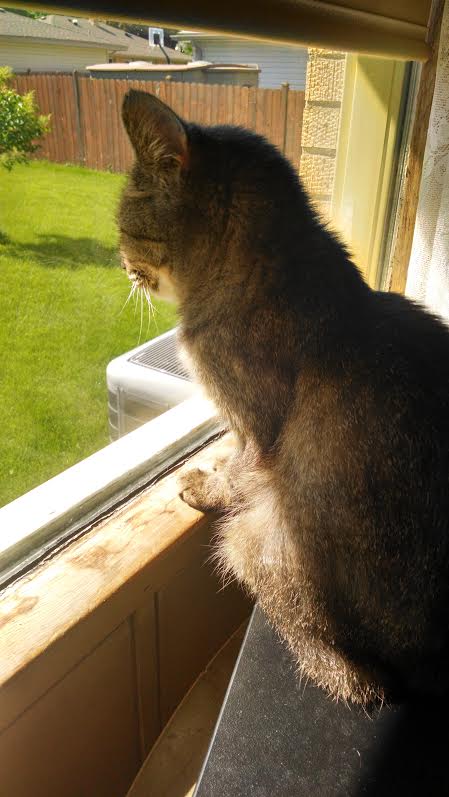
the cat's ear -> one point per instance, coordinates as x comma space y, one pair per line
156, 133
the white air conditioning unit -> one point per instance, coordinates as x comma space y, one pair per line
144, 383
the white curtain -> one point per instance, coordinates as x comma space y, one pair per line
428, 273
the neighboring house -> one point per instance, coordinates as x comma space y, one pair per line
123, 46
62, 44
278, 63
27, 43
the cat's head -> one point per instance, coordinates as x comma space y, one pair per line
195, 197
152, 199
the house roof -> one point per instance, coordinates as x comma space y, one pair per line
14, 25
129, 45
86, 32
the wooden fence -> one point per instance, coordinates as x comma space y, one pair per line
86, 125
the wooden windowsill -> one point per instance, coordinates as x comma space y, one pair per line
95, 581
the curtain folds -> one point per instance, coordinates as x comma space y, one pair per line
428, 272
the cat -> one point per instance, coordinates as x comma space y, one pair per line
336, 500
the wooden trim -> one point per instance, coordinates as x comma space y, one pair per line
145, 645
409, 195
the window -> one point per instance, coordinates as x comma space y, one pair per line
339, 117
105, 636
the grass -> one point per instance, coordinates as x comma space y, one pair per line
61, 298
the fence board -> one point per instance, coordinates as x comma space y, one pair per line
85, 116
104, 144
54, 95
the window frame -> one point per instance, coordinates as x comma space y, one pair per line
68, 505
39, 521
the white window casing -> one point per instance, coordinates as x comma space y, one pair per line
45, 517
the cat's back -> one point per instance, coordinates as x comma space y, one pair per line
362, 471
390, 353
369, 424
410, 336
407, 364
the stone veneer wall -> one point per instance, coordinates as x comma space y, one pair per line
321, 122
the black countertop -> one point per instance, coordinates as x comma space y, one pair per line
278, 737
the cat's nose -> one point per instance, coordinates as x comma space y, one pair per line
122, 263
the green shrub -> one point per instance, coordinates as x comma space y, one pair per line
21, 125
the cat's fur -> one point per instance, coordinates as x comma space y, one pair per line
339, 496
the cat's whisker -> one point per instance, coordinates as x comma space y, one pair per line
147, 295
149, 320
130, 294
154, 310
149, 305
136, 299
141, 314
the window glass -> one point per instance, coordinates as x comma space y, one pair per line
65, 304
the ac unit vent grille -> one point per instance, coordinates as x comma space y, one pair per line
162, 355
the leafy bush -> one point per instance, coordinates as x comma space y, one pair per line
21, 125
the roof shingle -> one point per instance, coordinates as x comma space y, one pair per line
79, 30
17, 25
116, 38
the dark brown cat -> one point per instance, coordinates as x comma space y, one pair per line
338, 499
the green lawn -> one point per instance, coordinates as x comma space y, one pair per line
61, 296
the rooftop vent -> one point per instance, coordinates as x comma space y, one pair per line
156, 36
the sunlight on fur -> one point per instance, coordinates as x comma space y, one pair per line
335, 500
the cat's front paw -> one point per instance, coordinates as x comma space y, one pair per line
195, 489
